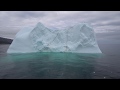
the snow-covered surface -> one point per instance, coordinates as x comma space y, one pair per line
79, 38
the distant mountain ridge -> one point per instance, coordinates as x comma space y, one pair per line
5, 40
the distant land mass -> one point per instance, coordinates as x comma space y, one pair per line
5, 40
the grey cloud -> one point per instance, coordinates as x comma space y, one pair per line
25, 14
31, 14
13, 21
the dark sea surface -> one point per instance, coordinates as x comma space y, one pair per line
61, 65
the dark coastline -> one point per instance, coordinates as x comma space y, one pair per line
5, 40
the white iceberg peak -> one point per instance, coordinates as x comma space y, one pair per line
79, 38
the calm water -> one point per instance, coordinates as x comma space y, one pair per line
61, 65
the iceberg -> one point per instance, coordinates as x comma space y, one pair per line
79, 38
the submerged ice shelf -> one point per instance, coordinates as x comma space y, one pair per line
79, 38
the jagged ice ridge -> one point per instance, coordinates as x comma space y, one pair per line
79, 38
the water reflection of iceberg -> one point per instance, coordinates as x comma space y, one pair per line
50, 65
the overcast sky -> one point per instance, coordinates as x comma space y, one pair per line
103, 22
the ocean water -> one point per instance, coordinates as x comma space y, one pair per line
61, 65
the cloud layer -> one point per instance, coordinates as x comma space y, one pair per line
102, 21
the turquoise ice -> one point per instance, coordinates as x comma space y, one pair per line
79, 38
